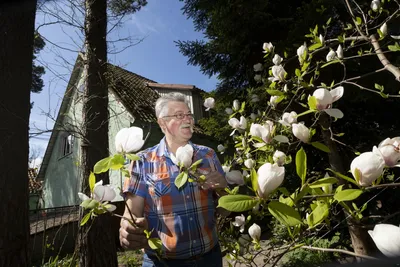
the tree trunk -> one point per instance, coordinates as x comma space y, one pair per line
16, 53
360, 239
96, 240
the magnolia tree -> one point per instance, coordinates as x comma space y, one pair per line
263, 139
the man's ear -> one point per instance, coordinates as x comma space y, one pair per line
161, 123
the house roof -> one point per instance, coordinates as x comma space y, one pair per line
135, 92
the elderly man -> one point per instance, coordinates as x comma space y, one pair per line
184, 219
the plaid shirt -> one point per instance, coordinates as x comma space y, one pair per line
183, 219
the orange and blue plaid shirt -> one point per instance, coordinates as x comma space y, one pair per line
183, 219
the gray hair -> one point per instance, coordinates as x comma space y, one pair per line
162, 102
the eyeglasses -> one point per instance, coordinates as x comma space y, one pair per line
181, 116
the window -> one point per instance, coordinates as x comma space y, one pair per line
66, 145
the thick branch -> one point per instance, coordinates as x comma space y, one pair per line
339, 251
385, 62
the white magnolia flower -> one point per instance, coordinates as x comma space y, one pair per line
278, 73
254, 98
331, 56
238, 125
277, 60
225, 168
274, 101
101, 193
301, 132
285, 88
387, 239
327, 188
279, 157
234, 177
240, 222
302, 52
257, 78
368, 167
390, 151
228, 111
375, 5
258, 67
262, 131
321, 39
268, 47
236, 105
325, 99
255, 232
184, 155
288, 118
220, 148
209, 103
249, 163
129, 140
270, 176
384, 29
339, 52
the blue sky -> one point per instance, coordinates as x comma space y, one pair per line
160, 23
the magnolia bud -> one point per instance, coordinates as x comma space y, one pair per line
255, 232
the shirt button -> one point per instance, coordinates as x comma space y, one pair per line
187, 196
194, 241
191, 218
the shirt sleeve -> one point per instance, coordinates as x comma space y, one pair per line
136, 183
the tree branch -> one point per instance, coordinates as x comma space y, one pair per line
385, 62
339, 251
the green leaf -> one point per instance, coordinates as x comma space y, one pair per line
348, 194
132, 157
237, 203
154, 243
358, 21
314, 46
92, 181
126, 173
86, 218
330, 62
344, 177
196, 163
323, 182
298, 73
117, 162
319, 214
394, 48
181, 179
275, 92
321, 147
312, 103
301, 165
254, 179
102, 165
305, 112
284, 213
85, 203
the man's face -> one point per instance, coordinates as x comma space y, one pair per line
175, 128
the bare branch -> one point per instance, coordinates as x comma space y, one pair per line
339, 251
385, 62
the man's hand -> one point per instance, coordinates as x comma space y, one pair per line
214, 180
132, 237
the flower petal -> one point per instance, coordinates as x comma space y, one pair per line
334, 112
337, 93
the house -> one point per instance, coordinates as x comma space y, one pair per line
35, 189
131, 103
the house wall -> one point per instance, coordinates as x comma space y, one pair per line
119, 118
62, 178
